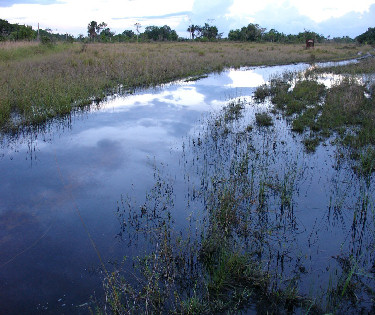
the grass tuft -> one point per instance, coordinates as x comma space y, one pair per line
263, 119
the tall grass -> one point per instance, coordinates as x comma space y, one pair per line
220, 264
345, 109
38, 82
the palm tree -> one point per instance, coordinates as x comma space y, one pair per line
192, 29
91, 29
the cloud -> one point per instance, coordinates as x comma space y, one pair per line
322, 10
351, 24
284, 18
288, 19
213, 12
327, 17
9, 3
151, 17
72, 16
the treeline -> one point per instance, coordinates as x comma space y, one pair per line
15, 32
207, 32
100, 32
255, 33
367, 37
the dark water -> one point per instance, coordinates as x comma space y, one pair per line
60, 187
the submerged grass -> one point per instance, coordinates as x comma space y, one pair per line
345, 109
263, 119
38, 82
232, 256
221, 263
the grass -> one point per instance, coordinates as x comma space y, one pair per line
345, 109
263, 119
228, 259
233, 110
217, 265
205, 275
366, 66
39, 82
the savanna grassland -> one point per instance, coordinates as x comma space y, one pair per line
39, 82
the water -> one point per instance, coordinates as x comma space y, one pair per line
61, 186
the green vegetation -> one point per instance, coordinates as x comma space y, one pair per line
345, 109
256, 33
233, 111
219, 264
366, 66
15, 31
367, 37
101, 32
206, 32
39, 82
263, 119
228, 258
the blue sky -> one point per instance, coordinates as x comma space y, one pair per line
327, 17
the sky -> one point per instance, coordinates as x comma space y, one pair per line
334, 18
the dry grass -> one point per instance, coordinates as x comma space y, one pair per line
38, 82
15, 45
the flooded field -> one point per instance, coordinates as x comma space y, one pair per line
189, 166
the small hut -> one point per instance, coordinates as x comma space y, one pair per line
309, 43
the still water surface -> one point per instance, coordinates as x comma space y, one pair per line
76, 170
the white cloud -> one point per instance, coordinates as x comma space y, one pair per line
72, 16
244, 79
321, 10
289, 16
317, 10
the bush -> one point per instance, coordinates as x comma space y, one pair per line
45, 40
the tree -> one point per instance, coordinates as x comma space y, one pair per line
93, 29
252, 32
343, 39
160, 33
106, 34
210, 32
273, 36
124, 36
152, 32
166, 33
234, 35
138, 26
192, 29
367, 37
128, 33
23, 32
5, 29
